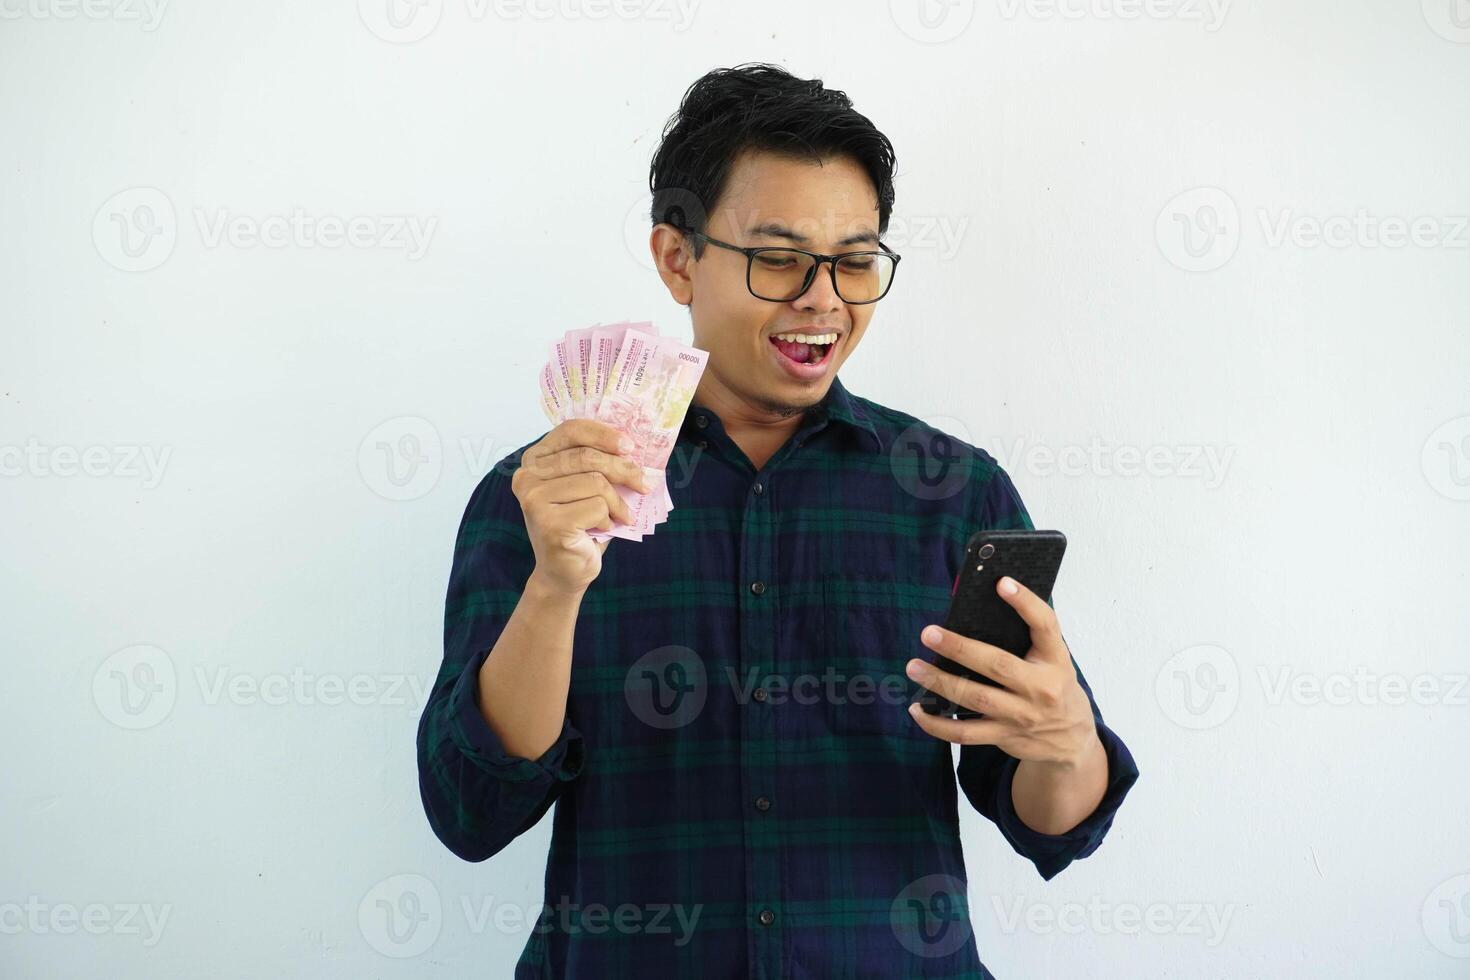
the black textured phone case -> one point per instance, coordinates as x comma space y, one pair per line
977, 610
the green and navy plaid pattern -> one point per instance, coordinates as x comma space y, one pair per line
738, 788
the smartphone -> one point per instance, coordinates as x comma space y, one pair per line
978, 611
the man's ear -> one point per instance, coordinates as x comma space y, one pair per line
673, 258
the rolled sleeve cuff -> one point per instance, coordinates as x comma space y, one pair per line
475, 738
1053, 852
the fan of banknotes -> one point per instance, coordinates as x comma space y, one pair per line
638, 382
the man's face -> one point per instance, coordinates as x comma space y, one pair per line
771, 200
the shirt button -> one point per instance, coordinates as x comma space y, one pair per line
758, 488
759, 694
702, 444
758, 587
767, 917
701, 421
762, 803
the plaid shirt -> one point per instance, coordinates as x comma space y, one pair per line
739, 789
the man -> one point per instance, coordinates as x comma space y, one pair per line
720, 712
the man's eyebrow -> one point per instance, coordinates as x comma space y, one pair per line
772, 229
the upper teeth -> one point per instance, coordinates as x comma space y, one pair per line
808, 338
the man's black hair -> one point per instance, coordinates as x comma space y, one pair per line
761, 107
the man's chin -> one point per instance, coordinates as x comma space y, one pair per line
785, 407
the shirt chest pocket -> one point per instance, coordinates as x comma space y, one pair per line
870, 631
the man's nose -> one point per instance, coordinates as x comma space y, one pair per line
820, 297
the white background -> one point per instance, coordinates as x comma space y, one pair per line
1247, 629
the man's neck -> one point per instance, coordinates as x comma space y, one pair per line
759, 433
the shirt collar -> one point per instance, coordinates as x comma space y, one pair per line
837, 405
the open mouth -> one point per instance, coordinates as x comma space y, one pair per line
811, 354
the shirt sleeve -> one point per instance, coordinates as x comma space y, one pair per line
986, 774
478, 798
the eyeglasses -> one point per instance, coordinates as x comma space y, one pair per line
781, 275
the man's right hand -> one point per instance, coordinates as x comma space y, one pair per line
565, 488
